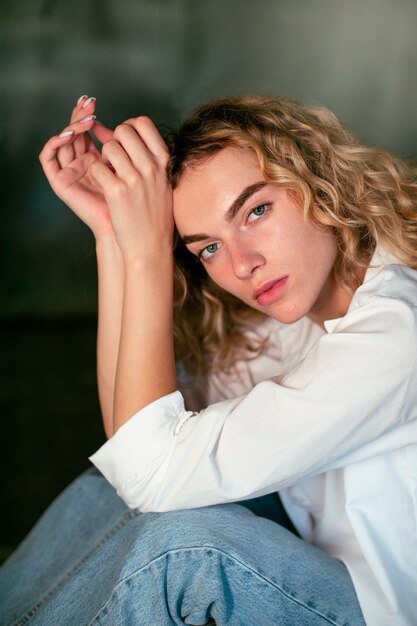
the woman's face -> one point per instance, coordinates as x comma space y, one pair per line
253, 239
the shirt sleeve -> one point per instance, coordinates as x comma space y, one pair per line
356, 384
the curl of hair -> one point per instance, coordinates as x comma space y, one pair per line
365, 195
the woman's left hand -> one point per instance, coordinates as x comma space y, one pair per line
132, 175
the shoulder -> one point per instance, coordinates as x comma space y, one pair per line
387, 277
394, 281
387, 297
390, 297
381, 322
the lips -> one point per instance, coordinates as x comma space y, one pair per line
271, 291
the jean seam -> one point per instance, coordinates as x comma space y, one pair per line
235, 561
24, 619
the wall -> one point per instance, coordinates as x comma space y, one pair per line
162, 58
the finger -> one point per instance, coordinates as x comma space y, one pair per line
102, 132
139, 154
48, 155
65, 154
85, 106
103, 176
77, 147
80, 144
151, 137
81, 112
81, 125
116, 156
75, 111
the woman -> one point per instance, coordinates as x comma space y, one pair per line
295, 302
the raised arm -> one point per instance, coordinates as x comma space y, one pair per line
135, 185
66, 159
110, 301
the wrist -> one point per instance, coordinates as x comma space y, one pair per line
106, 242
160, 261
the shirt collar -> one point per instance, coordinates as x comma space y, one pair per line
380, 259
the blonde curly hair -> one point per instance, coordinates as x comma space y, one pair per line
365, 195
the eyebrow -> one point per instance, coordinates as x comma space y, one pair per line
231, 211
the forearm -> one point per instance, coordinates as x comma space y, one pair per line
133, 177
110, 299
146, 365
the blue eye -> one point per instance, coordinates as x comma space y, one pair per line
208, 251
259, 210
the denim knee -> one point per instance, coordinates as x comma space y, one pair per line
219, 526
184, 567
225, 563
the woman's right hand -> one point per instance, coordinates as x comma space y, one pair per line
66, 159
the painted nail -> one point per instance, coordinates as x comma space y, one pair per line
87, 102
66, 133
81, 98
87, 118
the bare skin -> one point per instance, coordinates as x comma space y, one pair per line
66, 161
266, 241
123, 196
139, 198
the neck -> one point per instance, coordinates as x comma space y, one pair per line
333, 302
331, 305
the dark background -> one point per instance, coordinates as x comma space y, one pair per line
161, 58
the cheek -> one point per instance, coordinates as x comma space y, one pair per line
221, 274
326, 250
316, 246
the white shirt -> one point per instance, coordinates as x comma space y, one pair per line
336, 434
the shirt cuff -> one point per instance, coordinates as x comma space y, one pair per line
139, 447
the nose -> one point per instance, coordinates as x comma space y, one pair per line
245, 259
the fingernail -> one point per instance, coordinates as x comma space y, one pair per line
66, 133
81, 98
87, 102
87, 118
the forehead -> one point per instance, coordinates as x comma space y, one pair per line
215, 183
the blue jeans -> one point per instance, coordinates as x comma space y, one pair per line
91, 560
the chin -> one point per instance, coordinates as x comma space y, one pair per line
287, 316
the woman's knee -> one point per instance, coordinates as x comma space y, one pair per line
215, 526
179, 564
230, 530
222, 562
